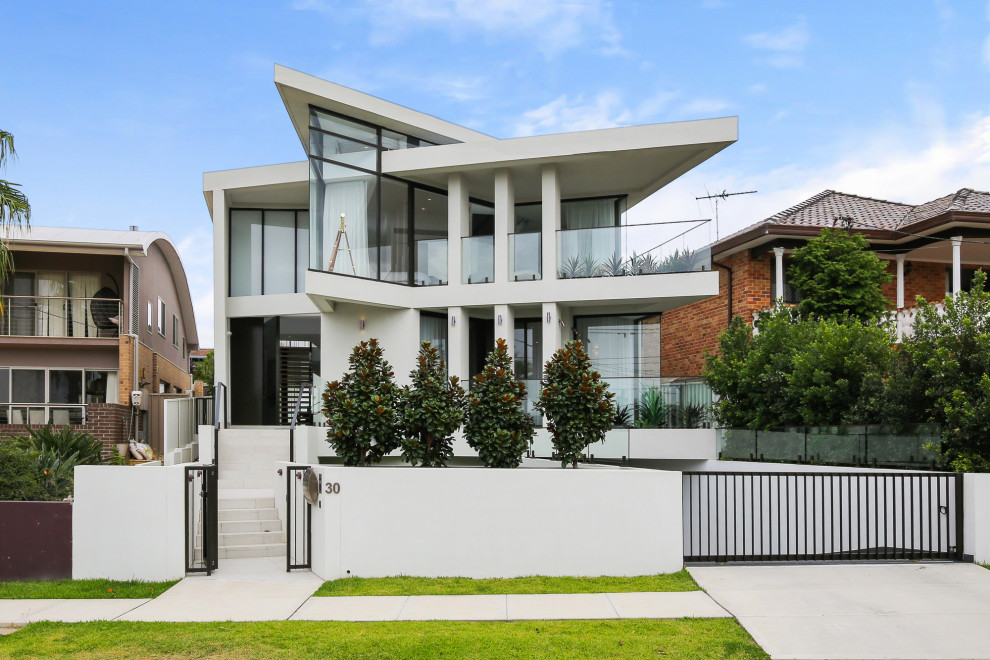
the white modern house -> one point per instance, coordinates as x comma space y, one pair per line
404, 227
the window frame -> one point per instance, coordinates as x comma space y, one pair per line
175, 331
162, 314
151, 318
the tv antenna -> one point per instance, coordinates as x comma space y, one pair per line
722, 196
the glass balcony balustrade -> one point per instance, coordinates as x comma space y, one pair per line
431, 262
477, 259
641, 249
525, 256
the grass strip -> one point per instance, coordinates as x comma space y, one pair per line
459, 586
629, 638
83, 589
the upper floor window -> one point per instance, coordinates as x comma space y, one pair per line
161, 317
151, 314
269, 251
175, 330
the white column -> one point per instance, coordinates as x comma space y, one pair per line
779, 284
900, 280
457, 344
956, 264
552, 335
505, 214
551, 220
505, 321
221, 287
458, 217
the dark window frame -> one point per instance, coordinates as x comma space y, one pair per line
295, 245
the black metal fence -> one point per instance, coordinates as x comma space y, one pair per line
792, 516
298, 520
201, 519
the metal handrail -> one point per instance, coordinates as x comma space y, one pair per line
45, 319
216, 420
308, 389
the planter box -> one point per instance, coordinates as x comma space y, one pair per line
35, 540
672, 443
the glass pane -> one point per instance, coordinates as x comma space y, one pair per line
36, 416
4, 415
529, 218
343, 214
430, 218
431, 262
302, 249
245, 252
478, 255
528, 351
342, 150
525, 256
64, 386
4, 385
279, 251
621, 346
394, 250
589, 213
482, 219
65, 416
82, 318
647, 249
52, 307
343, 126
27, 385
393, 140
96, 386
434, 330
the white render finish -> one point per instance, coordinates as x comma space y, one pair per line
900, 281
481, 533
956, 264
976, 504
778, 253
505, 216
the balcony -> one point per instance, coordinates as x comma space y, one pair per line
38, 316
477, 259
646, 249
525, 257
431, 262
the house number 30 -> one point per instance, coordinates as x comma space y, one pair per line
332, 488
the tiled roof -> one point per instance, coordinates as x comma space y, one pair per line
965, 199
200, 352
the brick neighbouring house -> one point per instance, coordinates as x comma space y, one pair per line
81, 305
917, 241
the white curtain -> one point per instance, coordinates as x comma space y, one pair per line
351, 198
52, 308
82, 286
600, 240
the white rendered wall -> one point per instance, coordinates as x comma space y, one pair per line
976, 526
397, 331
128, 523
480, 523
673, 444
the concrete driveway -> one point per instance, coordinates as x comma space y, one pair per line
904, 610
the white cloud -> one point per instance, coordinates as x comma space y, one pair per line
550, 25
603, 110
758, 88
196, 251
785, 48
911, 164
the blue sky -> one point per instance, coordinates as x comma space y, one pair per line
119, 107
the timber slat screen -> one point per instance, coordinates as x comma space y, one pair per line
794, 516
295, 373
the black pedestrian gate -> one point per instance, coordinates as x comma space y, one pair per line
201, 519
796, 516
299, 516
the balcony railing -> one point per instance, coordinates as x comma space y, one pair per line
431, 262
525, 256
647, 249
478, 259
901, 320
41, 316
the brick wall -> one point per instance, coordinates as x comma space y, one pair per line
152, 369
106, 421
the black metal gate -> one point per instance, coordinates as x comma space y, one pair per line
795, 516
298, 520
201, 519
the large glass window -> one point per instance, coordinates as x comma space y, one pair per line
343, 203
433, 328
592, 213
269, 251
65, 386
625, 349
28, 385
528, 361
53, 396
430, 222
394, 251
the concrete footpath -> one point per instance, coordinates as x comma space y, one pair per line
261, 590
904, 610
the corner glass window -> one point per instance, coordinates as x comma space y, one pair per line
341, 126
344, 151
28, 385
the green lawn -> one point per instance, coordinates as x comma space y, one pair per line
630, 638
457, 586
83, 589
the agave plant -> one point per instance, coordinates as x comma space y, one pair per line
571, 267
623, 417
644, 264
681, 261
651, 410
614, 266
689, 416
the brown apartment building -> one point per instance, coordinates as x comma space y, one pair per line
932, 249
89, 317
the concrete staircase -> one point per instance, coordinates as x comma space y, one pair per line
249, 524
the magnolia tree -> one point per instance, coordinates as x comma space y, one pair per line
430, 410
497, 425
575, 402
361, 408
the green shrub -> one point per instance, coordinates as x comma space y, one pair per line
19, 476
497, 425
57, 452
575, 402
430, 410
651, 411
361, 408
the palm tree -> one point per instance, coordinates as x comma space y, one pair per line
14, 209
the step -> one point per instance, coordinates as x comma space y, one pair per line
251, 538
240, 515
244, 551
228, 503
244, 526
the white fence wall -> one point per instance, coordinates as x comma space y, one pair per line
976, 488
480, 523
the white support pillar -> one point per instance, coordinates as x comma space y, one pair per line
505, 322
458, 219
505, 215
900, 281
221, 287
778, 253
551, 220
956, 264
458, 363
553, 338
